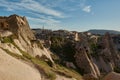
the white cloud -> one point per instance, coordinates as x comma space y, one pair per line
9, 9
87, 9
37, 7
84, 6
49, 23
31, 5
33, 10
46, 21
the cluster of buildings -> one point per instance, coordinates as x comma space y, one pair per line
45, 34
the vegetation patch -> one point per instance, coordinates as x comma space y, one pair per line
94, 50
6, 40
63, 48
67, 72
14, 54
117, 69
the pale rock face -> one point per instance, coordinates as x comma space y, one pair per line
10, 47
113, 53
37, 51
26, 35
96, 69
84, 60
109, 58
19, 27
87, 65
102, 65
5, 33
13, 69
17, 42
107, 67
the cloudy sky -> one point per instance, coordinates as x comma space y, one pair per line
80, 15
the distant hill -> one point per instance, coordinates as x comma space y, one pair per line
102, 31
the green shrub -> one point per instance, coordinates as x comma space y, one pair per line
94, 50
7, 40
116, 69
51, 75
62, 46
56, 44
69, 51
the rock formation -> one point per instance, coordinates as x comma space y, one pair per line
18, 27
91, 55
84, 61
23, 57
17, 39
101, 57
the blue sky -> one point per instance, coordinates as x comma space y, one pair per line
79, 15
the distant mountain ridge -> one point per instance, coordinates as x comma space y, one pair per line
102, 31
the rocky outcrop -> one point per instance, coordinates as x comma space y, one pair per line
111, 53
108, 57
92, 55
23, 57
17, 28
17, 40
96, 56
84, 62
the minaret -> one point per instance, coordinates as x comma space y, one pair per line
43, 29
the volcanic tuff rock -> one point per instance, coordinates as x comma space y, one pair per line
84, 61
23, 57
113, 55
92, 55
94, 58
18, 27
17, 39
109, 57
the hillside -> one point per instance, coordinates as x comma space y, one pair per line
102, 31
55, 55
23, 57
93, 56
